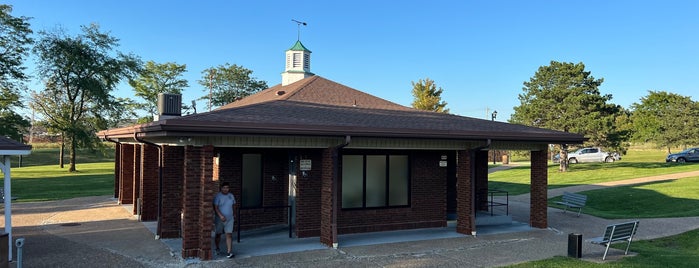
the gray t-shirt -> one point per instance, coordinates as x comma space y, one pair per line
225, 204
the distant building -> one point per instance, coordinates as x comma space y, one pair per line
344, 161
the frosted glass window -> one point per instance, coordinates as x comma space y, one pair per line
398, 180
375, 180
352, 181
252, 180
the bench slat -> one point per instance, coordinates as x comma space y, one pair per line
573, 200
617, 232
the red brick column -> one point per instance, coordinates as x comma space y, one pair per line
117, 169
481, 180
126, 176
327, 235
539, 188
308, 196
150, 169
465, 215
136, 177
173, 180
199, 189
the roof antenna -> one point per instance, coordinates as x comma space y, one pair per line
298, 24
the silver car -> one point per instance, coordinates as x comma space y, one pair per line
592, 154
689, 155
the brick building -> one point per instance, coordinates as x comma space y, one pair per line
326, 158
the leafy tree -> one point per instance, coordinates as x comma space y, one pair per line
158, 78
228, 83
564, 96
427, 97
15, 39
80, 73
666, 119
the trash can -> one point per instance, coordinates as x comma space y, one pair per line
505, 159
575, 245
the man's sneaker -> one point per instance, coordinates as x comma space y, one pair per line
230, 255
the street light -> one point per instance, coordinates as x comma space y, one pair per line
493, 115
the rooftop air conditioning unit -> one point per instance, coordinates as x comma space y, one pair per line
169, 104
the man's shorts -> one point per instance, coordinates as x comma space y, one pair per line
226, 226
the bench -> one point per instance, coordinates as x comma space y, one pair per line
573, 200
617, 232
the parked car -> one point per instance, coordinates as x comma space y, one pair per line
689, 155
589, 154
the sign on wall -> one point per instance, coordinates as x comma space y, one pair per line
305, 164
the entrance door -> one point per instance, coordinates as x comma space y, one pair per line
293, 163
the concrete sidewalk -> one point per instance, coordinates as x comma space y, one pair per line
96, 232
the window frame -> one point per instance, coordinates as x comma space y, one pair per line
387, 179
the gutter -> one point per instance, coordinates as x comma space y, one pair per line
336, 169
160, 181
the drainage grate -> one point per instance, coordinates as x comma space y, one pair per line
70, 224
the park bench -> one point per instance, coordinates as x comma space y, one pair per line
573, 200
617, 232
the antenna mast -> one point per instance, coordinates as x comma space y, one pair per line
298, 25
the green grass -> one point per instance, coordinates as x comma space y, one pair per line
50, 156
635, 164
673, 251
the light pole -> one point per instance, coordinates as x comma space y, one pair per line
493, 115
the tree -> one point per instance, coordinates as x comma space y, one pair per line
14, 46
666, 119
158, 78
80, 73
564, 96
427, 97
228, 83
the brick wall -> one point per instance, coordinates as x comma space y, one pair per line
126, 175
308, 195
327, 234
464, 212
199, 189
539, 186
173, 180
150, 167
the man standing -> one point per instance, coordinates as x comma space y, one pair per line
223, 206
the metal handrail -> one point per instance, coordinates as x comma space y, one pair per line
492, 202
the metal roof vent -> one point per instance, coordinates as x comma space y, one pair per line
281, 92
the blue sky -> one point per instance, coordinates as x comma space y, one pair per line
478, 52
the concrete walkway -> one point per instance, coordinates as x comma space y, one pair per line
96, 232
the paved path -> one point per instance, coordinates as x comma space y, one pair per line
96, 232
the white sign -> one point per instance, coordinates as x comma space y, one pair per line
305, 164
442, 163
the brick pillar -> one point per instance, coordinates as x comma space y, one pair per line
465, 216
150, 170
481, 180
173, 180
136, 177
199, 190
539, 187
328, 235
117, 170
126, 176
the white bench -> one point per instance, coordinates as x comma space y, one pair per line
573, 200
617, 232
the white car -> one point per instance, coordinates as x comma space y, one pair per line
592, 154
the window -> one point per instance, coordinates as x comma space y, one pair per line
252, 180
371, 181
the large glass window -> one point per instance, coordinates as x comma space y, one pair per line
252, 180
370, 181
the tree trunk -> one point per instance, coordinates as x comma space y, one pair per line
61, 153
563, 159
72, 154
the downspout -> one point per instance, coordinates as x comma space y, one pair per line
336, 169
472, 163
160, 181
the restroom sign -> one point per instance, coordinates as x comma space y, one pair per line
305, 164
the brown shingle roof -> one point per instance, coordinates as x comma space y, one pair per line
316, 89
11, 147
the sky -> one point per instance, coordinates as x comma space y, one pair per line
478, 52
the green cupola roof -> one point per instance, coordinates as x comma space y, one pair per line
298, 47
